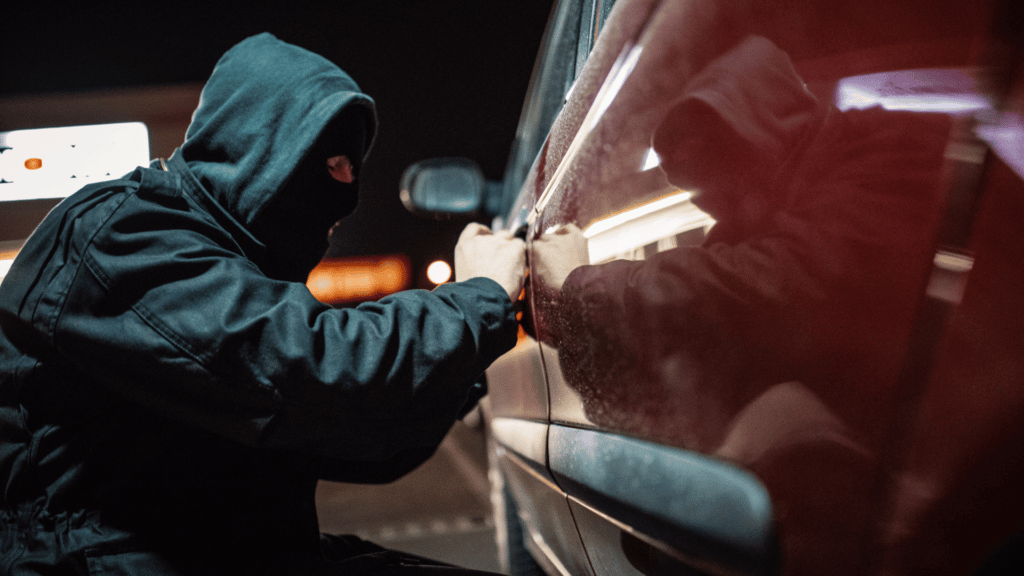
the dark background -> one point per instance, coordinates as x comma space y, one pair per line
448, 77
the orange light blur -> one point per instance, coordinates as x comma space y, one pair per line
6, 260
34, 163
339, 280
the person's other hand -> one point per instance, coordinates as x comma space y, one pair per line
500, 257
557, 253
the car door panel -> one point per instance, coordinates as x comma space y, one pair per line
550, 532
793, 377
517, 405
528, 400
705, 510
954, 503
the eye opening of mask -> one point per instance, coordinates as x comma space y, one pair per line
342, 145
341, 169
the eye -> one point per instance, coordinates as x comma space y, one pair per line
340, 168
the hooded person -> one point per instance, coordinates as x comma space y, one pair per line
171, 392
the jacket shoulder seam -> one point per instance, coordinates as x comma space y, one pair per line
149, 318
85, 258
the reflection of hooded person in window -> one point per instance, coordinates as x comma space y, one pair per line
171, 392
823, 226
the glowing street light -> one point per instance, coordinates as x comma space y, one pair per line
439, 272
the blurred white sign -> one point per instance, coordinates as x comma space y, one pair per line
54, 162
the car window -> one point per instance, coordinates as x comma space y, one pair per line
552, 76
592, 19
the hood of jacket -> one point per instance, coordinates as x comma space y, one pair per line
268, 119
737, 122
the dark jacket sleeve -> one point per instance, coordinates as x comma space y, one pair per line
157, 304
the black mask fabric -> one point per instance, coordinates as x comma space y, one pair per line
294, 226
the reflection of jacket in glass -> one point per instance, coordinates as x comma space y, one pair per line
823, 225
170, 391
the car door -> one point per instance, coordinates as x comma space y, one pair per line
952, 501
517, 404
732, 247
623, 490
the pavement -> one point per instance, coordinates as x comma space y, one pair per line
441, 510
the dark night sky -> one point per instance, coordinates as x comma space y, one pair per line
448, 76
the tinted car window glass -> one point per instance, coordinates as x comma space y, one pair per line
588, 25
603, 10
621, 27
552, 76
759, 187
592, 20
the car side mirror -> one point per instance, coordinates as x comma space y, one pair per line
444, 187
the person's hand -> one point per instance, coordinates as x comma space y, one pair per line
500, 257
557, 253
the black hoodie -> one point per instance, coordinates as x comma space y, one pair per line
170, 391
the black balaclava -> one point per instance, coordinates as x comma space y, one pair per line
270, 116
294, 226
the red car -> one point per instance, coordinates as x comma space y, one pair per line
774, 321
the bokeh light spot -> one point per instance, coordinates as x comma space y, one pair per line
439, 272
